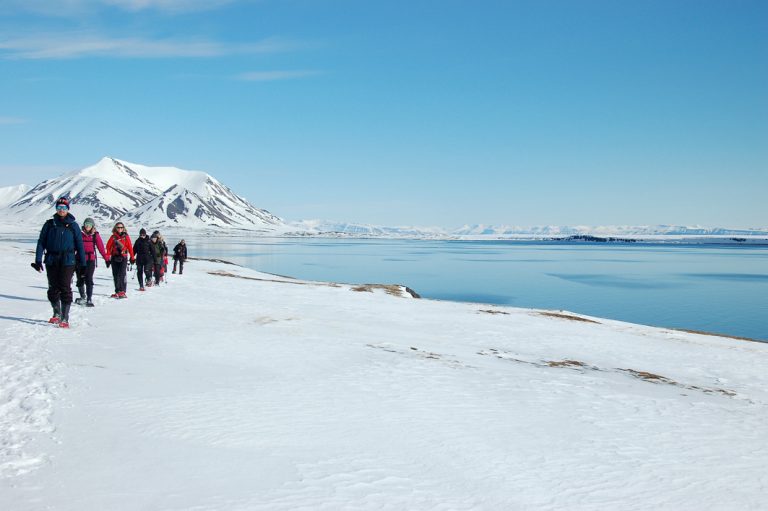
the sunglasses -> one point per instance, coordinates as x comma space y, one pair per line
62, 208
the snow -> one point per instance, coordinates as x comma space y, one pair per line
229, 389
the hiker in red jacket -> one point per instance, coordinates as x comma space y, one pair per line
91, 243
120, 252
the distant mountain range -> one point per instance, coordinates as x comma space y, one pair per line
168, 197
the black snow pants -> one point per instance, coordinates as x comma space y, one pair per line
119, 270
143, 270
90, 267
59, 283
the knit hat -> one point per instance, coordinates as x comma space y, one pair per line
155, 234
63, 201
142, 231
88, 221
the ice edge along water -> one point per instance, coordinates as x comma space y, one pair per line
233, 389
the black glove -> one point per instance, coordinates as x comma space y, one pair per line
37, 266
108, 262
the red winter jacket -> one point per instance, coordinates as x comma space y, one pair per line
118, 245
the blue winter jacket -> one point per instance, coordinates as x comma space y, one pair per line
62, 242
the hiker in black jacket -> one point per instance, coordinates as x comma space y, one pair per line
61, 241
179, 256
142, 251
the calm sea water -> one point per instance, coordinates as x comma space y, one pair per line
717, 288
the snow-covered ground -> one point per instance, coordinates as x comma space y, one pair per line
229, 389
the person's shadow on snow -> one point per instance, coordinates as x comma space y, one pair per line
25, 320
11, 297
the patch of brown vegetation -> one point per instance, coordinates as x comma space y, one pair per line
211, 260
565, 363
582, 367
713, 334
221, 273
491, 311
567, 316
655, 378
391, 289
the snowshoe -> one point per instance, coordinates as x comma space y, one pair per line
142, 288
114, 295
54, 320
122, 294
89, 303
80, 301
63, 324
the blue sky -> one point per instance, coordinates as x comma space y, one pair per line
405, 112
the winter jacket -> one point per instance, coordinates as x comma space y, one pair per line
62, 242
92, 242
180, 252
142, 250
159, 250
119, 247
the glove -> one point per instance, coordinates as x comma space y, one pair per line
37, 266
108, 262
133, 261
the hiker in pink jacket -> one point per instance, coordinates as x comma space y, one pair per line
91, 242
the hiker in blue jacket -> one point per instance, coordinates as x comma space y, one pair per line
61, 242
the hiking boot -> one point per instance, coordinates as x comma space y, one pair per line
142, 288
122, 294
114, 295
81, 290
89, 303
64, 324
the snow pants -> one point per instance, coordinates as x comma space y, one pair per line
158, 272
181, 265
87, 278
119, 271
143, 270
59, 283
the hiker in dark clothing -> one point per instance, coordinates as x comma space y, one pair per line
61, 243
120, 253
179, 256
159, 251
91, 242
142, 251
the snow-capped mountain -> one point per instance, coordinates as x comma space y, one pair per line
157, 196
9, 194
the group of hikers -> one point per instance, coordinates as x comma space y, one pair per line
65, 249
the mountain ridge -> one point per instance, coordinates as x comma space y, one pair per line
113, 190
